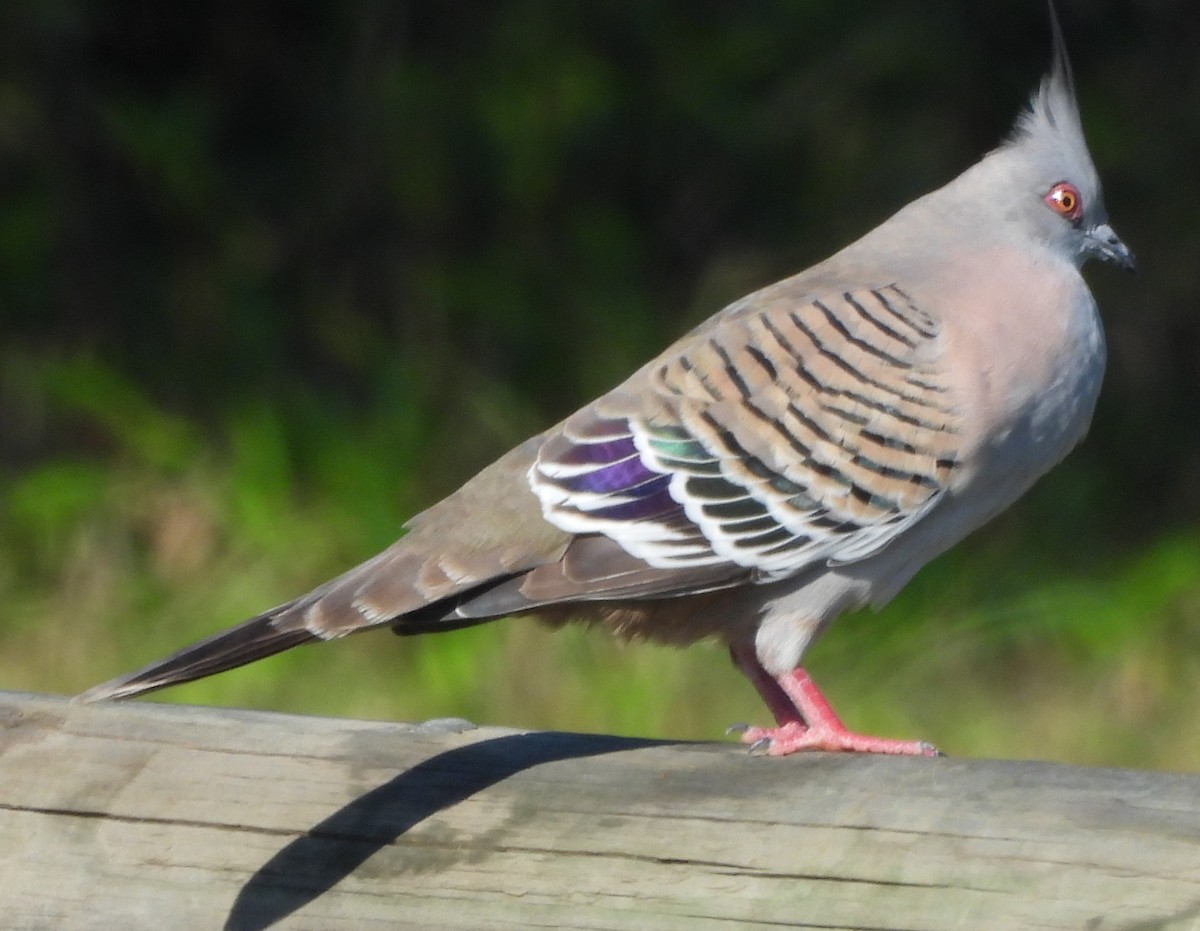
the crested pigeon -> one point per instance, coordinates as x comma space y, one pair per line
801, 453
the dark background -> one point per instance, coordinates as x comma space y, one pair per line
355, 250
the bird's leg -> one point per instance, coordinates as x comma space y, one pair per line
806, 721
776, 698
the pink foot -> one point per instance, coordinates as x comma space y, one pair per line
806, 720
793, 737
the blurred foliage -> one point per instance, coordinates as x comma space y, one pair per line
273, 276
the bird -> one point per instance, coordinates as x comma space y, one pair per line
801, 453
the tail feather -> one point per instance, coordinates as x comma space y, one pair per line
421, 590
249, 641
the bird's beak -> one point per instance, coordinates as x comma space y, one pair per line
1106, 245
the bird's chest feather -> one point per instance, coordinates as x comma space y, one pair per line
1029, 364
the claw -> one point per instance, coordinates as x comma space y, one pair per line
762, 745
737, 728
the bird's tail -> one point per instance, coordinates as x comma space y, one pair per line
251, 640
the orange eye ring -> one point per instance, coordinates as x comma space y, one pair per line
1065, 200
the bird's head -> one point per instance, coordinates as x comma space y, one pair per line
1052, 187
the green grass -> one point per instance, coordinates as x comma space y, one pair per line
1007, 646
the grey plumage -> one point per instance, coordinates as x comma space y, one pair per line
803, 452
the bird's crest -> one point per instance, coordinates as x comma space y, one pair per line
1052, 117
1049, 132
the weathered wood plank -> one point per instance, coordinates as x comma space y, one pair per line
142, 815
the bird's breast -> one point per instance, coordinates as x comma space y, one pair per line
1029, 358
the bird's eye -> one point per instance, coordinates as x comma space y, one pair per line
1064, 200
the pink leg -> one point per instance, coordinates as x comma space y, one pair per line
805, 719
782, 707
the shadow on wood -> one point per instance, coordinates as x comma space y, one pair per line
151, 816
340, 844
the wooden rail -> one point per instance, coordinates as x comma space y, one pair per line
156, 816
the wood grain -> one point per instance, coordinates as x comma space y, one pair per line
158, 816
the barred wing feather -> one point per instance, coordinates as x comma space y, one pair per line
781, 437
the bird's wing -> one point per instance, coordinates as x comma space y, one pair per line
791, 433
